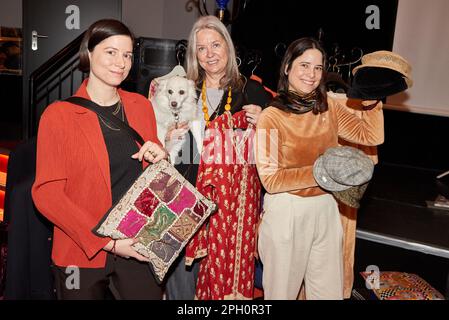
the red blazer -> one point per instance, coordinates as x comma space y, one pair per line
73, 185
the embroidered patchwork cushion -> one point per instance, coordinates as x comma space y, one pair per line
162, 210
403, 286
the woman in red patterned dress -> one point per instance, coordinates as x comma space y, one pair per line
226, 172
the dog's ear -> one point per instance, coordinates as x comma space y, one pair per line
160, 101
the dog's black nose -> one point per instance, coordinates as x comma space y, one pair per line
174, 104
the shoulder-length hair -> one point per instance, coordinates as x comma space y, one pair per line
294, 50
97, 32
195, 71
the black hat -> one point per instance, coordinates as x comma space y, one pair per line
381, 74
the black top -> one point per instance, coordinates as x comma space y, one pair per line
252, 93
120, 146
28, 272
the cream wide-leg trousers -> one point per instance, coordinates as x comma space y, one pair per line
300, 239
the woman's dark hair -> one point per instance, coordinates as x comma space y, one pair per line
97, 32
294, 50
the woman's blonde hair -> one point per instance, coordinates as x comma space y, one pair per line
195, 71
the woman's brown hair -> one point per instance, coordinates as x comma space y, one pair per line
294, 50
97, 32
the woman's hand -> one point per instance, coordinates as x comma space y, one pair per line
369, 104
151, 152
124, 249
252, 113
256, 249
175, 132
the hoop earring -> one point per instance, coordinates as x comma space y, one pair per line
239, 61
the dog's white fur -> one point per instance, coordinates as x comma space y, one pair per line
176, 96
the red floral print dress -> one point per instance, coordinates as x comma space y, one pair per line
227, 175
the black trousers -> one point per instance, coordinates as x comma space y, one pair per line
126, 279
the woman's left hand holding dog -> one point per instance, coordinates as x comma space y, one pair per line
151, 152
176, 131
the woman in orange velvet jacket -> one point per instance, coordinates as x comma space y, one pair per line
84, 164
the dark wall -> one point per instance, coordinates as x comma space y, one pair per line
411, 139
417, 140
265, 23
10, 107
153, 57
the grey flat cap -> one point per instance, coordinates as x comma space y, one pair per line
341, 168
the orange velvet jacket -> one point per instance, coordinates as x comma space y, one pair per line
73, 184
288, 144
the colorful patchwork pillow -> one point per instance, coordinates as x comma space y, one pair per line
403, 286
161, 209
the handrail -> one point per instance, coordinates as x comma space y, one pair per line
58, 60
41, 81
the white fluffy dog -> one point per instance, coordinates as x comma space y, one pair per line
176, 101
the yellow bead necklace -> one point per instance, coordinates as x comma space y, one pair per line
204, 100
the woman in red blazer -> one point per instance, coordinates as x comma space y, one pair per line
85, 163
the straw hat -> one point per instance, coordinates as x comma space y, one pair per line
389, 60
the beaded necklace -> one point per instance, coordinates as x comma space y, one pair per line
204, 100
